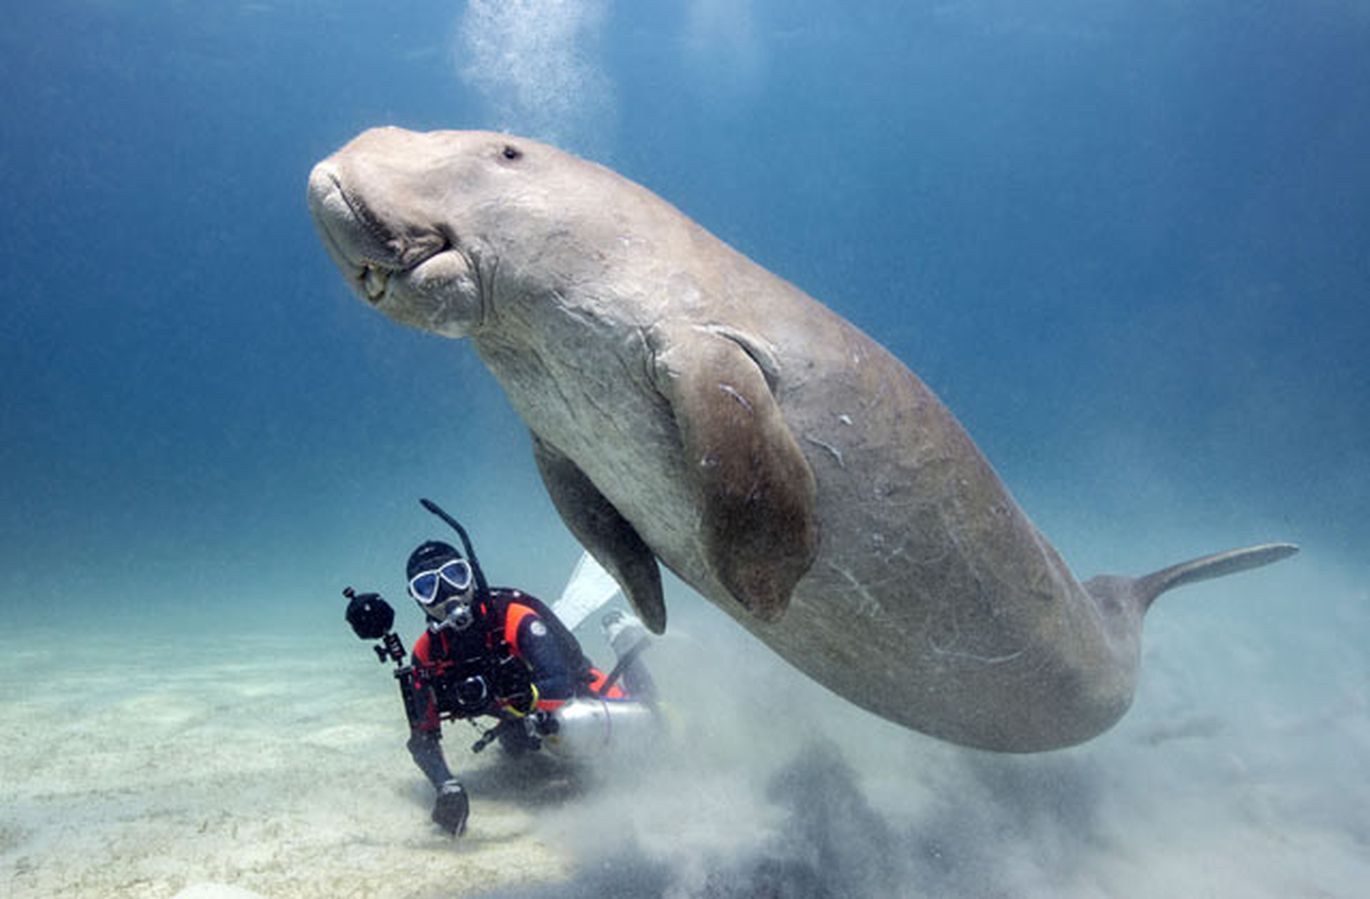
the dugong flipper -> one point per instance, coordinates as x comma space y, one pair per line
754, 487
605, 533
688, 407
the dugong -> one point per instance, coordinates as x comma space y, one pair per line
691, 408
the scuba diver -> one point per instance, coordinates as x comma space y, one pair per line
500, 653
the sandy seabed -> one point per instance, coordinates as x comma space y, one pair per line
139, 769
205, 765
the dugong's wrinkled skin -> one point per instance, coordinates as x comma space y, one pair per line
689, 406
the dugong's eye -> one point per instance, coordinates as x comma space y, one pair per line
512, 152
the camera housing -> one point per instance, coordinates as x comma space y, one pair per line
371, 616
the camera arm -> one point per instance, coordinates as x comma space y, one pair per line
371, 618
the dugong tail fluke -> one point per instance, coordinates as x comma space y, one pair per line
1205, 567
1135, 595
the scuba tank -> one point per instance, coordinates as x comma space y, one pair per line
588, 728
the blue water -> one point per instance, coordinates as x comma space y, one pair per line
1127, 242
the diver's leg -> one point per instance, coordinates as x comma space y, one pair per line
626, 634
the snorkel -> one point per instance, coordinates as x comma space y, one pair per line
482, 586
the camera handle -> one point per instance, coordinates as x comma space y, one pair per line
390, 649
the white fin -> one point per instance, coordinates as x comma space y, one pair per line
589, 589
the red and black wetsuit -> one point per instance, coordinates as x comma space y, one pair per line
521, 655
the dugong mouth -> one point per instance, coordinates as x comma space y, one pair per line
361, 244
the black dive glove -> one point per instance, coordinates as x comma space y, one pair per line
451, 808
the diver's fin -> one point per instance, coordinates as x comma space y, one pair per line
1146, 589
608, 536
589, 589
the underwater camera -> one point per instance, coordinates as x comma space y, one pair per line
371, 618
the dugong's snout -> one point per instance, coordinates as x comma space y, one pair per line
390, 251
351, 246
